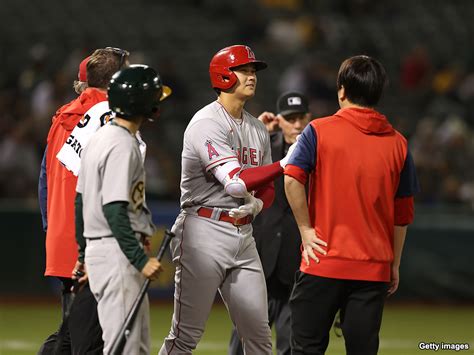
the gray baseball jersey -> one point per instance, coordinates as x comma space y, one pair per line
213, 138
212, 255
112, 170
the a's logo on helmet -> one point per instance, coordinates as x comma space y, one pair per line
250, 54
232, 57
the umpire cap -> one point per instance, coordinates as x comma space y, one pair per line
292, 102
136, 91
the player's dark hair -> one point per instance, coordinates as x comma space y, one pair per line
364, 80
103, 64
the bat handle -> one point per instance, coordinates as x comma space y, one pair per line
164, 244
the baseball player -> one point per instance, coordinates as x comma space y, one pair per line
353, 227
57, 187
275, 230
111, 212
226, 155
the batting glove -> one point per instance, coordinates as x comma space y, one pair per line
252, 206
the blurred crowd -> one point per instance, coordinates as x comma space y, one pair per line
27, 106
430, 97
432, 105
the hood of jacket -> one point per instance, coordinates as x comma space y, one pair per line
366, 120
72, 112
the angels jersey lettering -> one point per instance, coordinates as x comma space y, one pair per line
213, 138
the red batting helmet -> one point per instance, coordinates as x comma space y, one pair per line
220, 68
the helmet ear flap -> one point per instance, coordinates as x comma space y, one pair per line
222, 78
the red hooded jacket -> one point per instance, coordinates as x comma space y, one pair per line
61, 246
355, 170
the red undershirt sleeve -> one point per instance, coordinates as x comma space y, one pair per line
258, 177
266, 194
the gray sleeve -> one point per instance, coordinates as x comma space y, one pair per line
117, 170
267, 154
211, 143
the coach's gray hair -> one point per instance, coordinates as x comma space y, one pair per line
79, 86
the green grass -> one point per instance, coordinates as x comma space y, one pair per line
24, 327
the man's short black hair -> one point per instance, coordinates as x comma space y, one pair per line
364, 80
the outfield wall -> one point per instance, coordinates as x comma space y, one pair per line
437, 264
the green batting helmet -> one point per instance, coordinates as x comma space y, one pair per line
136, 91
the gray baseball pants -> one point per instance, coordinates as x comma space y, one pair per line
115, 283
213, 256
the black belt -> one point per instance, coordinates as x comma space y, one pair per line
142, 235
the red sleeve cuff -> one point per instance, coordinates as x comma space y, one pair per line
297, 173
404, 210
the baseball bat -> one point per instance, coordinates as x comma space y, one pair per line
121, 338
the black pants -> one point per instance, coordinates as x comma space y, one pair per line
314, 303
81, 332
278, 315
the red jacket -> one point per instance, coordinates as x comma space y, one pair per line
61, 246
357, 161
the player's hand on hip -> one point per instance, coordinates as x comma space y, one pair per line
252, 206
152, 269
394, 280
288, 155
311, 244
269, 120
